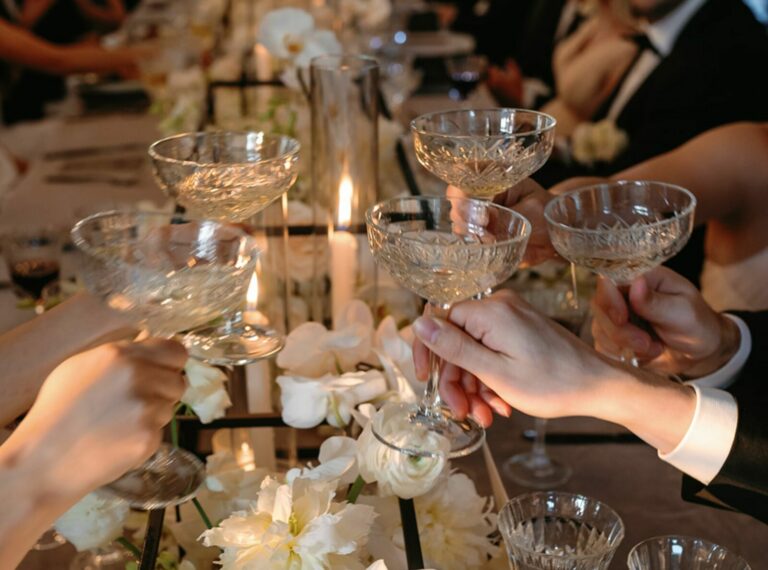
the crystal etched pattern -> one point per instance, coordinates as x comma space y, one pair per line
559, 531
683, 553
483, 152
622, 230
225, 176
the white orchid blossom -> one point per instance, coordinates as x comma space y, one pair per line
311, 350
295, 526
206, 393
338, 462
290, 35
94, 521
307, 402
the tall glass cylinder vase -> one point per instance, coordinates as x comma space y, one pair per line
344, 104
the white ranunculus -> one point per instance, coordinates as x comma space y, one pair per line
206, 393
312, 351
296, 525
307, 402
454, 526
397, 473
95, 521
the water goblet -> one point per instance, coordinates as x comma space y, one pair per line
465, 72
164, 275
32, 256
228, 177
621, 229
483, 151
682, 553
559, 531
445, 250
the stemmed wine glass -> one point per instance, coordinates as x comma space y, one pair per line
165, 275
445, 250
621, 229
228, 177
483, 151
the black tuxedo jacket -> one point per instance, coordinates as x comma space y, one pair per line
742, 483
536, 44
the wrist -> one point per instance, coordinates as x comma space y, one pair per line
726, 346
655, 408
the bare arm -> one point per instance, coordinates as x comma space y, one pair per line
111, 14
31, 351
23, 48
726, 168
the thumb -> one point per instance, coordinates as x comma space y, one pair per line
659, 308
454, 345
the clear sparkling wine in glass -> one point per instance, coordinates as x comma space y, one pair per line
228, 177
445, 250
621, 230
165, 275
483, 152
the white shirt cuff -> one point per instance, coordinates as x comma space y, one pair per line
725, 376
706, 445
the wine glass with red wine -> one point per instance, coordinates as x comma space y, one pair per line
466, 73
33, 256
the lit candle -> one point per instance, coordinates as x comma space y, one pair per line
263, 63
245, 457
343, 252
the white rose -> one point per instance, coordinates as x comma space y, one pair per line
95, 521
206, 393
398, 473
597, 142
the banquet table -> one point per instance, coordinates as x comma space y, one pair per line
627, 476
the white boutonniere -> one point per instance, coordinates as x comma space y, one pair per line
597, 142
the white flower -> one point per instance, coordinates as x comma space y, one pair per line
206, 393
454, 527
296, 526
187, 565
230, 481
395, 351
307, 402
406, 476
598, 142
338, 462
95, 521
311, 350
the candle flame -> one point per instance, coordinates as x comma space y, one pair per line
346, 193
252, 295
246, 459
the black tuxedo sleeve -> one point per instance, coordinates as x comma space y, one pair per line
742, 483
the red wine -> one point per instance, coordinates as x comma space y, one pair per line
465, 83
32, 275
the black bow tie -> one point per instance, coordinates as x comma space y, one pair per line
643, 43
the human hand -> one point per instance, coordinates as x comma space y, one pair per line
101, 413
688, 336
520, 358
506, 84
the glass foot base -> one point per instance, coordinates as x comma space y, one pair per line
49, 540
536, 471
170, 477
408, 429
235, 343
103, 559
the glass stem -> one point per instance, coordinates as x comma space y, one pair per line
574, 288
540, 439
430, 403
627, 355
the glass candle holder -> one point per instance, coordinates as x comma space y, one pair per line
344, 94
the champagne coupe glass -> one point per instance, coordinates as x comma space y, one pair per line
559, 531
445, 250
483, 151
228, 177
621, 229
166, 276
683, 553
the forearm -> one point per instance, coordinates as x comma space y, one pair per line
656, 409
31, 351
30, 505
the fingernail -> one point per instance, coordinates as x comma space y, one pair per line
500, 409
427, 329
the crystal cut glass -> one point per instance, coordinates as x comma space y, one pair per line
483, 151
164, 275
683, 553
559, 531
